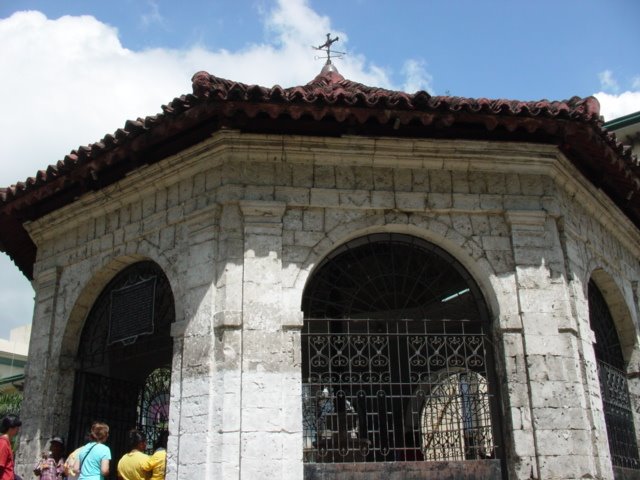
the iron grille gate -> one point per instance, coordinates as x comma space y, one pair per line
124, 352
122, 405
613, 383
400, 390
153, 406
618, 416
105, 399
396, 365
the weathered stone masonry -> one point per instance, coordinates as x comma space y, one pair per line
237, 224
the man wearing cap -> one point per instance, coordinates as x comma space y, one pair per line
51, 465
9, 428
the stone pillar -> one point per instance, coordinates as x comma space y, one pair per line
633, 377
271, 416
40, 415
227, 324
175, 410
194, 412
522, 460
573, 245
561, 431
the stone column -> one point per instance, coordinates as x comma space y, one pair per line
633, 377
175, 409
39, 414
227, 325
271, 416
573, 247
561, 431
195, 413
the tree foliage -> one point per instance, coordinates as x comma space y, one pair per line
10, 403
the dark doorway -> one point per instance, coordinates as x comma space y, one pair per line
397, 361
616, 402
124, 359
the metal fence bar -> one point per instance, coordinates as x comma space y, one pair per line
398, 390
618, 416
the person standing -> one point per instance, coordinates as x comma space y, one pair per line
130, 465
51, 465
157, 463
93, 460
9, 428
72, 458
70, 463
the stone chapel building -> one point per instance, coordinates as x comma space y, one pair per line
340, 281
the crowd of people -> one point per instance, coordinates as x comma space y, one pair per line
91, 461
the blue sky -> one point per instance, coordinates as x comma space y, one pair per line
499, 48
75, 70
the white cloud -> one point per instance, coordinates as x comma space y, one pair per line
154, 16
80, 82
68, 82
417, 77
607, 81
614, 106
16, 297
613, 103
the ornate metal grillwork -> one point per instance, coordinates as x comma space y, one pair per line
455, 420
126, 384
392, 276
99, 353
399, 390
607, 346
613, 383
99, 398
123, 405
396, 359
153, 405
618, 416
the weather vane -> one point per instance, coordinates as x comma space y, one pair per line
326, 46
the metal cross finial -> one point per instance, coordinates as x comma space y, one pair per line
327, 46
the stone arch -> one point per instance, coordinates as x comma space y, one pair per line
619, 310
123, 349
347, 351
94, 281
611, 322
464, 250
455, 399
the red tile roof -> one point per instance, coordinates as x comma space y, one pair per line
328, 105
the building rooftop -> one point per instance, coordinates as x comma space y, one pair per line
328, 105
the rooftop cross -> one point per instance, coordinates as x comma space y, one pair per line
327, 46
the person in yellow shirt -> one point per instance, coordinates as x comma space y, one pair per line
130, 465
157, 463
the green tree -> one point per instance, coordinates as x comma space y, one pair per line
10, 403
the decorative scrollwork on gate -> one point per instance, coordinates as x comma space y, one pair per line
153, 405
614, 388
388, 319
455, 418
359, 405
113, 357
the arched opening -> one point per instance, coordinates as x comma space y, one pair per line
614, 388
455, 417
396, 357
123, 363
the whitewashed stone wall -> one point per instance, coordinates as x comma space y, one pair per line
238, 224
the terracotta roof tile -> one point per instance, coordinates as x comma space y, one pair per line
574, 124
